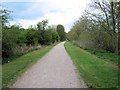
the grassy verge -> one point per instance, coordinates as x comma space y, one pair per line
17, 55
95, 72
13, 69
108, 56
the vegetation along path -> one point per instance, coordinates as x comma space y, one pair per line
54, 70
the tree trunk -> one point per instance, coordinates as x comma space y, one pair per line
115, 43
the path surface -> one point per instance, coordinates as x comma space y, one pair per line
54, 70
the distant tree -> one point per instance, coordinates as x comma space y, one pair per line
30, 35
61, 32
54, 36
30, 27
38, 38
42, 25
53, 27
47, 37
4, 17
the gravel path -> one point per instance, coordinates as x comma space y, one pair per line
54, 70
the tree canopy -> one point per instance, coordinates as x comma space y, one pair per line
61, 32
14, 36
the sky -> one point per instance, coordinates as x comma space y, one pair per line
30, 12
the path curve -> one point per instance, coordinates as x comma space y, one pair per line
54, 70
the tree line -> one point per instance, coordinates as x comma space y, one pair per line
98, 27
14, 36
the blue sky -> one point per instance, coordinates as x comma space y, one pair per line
63, 12
19, 9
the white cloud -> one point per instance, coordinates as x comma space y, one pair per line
62, 12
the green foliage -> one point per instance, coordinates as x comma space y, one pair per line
15, 36
30, 37
10, 38
61, 32
4, 17
47, 37
54, 36
38, 37
95, 72
42, 25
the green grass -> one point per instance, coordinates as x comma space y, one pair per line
13, 69
95, 72
17, 55
101, 54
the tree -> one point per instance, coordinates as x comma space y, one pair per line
12, 38
108, 18
98, 28
61, 32
47, 37
42, 25
30, 35
4, 17
54, 36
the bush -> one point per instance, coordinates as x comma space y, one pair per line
9, 42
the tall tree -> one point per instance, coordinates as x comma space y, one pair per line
108, 17
61, 32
